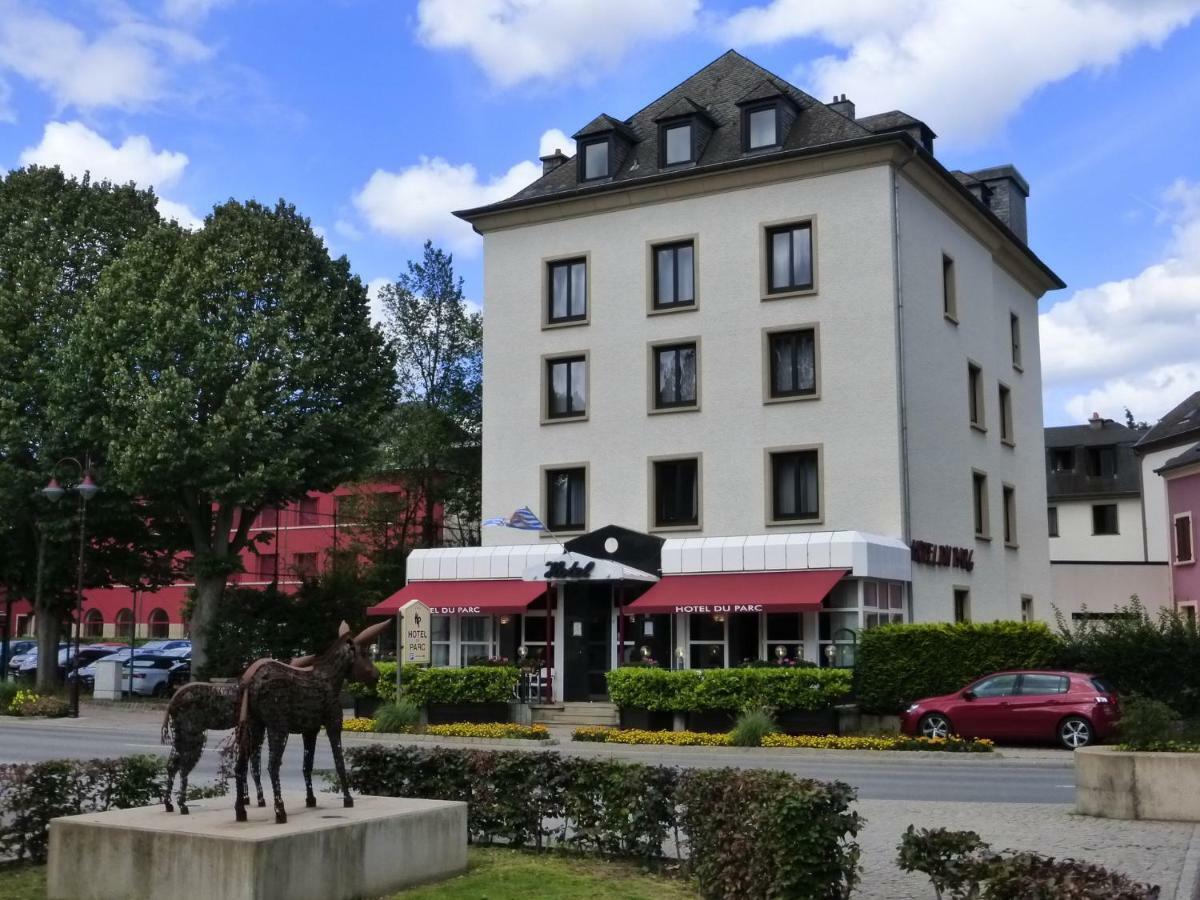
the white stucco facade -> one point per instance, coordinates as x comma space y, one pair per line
1077, 542
897, 451
1154, 504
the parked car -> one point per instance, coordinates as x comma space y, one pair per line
179, 675
1072, 708
151, 674
25, 665
88, 672
174, 645
88, 653
20, 647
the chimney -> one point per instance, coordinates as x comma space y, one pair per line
553, 161
1096, 422
1005, 196
844, 106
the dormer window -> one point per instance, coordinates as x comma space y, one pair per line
596, 159
677, 144
762, 127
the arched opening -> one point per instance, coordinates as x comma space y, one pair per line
93, 624
124, 623
159, 624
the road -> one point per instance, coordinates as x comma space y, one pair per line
968, 778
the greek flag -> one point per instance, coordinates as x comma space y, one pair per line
523, 519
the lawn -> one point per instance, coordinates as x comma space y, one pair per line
494, 874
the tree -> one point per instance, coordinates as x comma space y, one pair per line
57, 236
1132, 422
238, 369
434, 434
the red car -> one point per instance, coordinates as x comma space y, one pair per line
1071, 708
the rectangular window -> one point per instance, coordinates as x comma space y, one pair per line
595, 160
1026, 608
676, 493
706, 641
789, 258
674, 275
266, 566
975, 394
1014, 329
949, 289
763, 128
566, 387
439, 640
474, 639
795, 486
306, 565
1062, 459
1102, 462
307, 514
674, 376
677, 144
566, 499
1052, 520
962, 605
1185, 549
1010, 515
1104, 518
792, 357
979, 499
1038, 684
1006, 422
269, 517
568, 291
785, 630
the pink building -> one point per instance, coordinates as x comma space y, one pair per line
302, 538
1182, 476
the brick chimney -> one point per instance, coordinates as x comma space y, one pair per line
552, 161
844, 106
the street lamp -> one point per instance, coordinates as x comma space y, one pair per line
86, 489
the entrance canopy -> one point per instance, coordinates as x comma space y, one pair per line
738, 592
492, 597
579, 567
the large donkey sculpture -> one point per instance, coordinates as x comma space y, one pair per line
280, 699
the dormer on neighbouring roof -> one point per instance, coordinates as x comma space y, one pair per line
684, 128
601, 146
896, 121
767, 115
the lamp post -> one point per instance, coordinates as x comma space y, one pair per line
86, 489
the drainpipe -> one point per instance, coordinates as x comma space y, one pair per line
901, 400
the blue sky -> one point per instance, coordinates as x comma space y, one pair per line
376, 117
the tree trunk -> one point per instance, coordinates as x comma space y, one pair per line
48, 631
209, 589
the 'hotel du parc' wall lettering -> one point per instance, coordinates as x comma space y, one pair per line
719, 608
943, 555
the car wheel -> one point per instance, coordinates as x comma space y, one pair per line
1074, 732
935, 725
160, 690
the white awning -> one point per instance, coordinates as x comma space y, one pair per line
572, 566
863, 555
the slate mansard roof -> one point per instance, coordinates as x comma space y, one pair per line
716, 95
1181, 422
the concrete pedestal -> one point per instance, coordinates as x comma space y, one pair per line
328, 853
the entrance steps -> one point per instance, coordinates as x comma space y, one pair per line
574, 715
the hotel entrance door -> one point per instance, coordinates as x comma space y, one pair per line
587, 644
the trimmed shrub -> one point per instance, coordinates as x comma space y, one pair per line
751, 727
33, 794
472, 684
397, 717
758, 834
696, 690
749, 834
897, 664
961, 865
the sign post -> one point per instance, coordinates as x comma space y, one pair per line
412, 640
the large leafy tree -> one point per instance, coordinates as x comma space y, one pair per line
434, 433
238, 369
57, 236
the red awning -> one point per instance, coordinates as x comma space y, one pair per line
738, 592
482, 597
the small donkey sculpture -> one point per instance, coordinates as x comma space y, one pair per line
280, 699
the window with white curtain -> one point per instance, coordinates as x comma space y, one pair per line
795, 485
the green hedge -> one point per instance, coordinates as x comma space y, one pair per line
748, 834
471, 684
897, 664
694, 690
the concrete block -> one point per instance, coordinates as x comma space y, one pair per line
381, 845
1123, 784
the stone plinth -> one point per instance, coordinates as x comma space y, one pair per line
328, 853
1124, 784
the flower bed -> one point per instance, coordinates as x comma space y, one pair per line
489, 730
28, 703
600, 734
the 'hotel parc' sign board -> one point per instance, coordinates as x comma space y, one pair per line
414, 633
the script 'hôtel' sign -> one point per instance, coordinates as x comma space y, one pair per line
943, 555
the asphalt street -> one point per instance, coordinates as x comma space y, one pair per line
879, 776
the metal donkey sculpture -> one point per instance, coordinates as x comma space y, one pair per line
277, 699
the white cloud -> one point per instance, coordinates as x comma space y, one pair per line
347, 229
126, 62
417, 202
191, 9
1132, 342
555, 139
76, 149
963, 65
528, 40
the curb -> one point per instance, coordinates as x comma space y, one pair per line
497, 743
1189, 876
